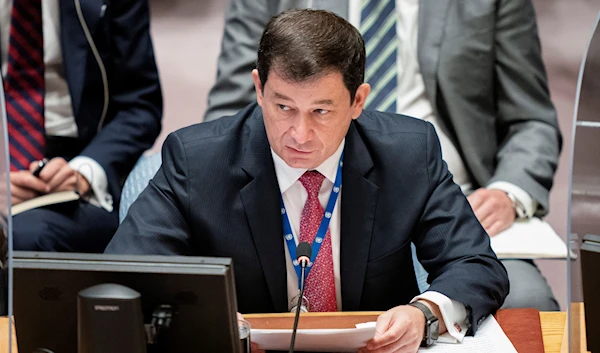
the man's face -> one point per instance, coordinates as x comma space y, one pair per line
307, 121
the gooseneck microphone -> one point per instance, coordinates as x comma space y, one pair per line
303, 254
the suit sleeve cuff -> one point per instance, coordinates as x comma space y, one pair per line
523, 196
454, 315
96, 176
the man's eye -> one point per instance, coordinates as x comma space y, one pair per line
283, 107
321, 111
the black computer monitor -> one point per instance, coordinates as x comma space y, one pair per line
201, 290
590, 263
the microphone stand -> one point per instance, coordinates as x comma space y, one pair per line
298, 306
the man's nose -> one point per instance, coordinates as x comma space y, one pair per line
302, 129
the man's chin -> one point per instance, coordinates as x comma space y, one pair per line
301, 160
301, 163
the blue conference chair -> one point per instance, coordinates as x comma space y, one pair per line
146, 167
144, 170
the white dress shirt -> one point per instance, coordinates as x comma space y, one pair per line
58, 111
412, 99
294, 197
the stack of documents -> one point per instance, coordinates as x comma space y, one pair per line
530, 239
489, 339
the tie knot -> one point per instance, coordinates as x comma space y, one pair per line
312, 181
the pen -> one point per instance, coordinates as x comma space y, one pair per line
41, 165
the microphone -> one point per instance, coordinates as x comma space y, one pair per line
303, 254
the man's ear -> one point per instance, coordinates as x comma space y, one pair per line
362, 92
258, 88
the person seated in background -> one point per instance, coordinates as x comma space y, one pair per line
82, 91
307, 164
474, 70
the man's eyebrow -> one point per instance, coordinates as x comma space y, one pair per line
317, 102
324, 102
281, 96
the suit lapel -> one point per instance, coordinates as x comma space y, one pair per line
432, 21
261, 202
75, 48
359, 200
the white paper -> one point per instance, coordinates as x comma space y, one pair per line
315, 340
490, 338
531, 239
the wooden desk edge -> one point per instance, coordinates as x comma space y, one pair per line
554, 327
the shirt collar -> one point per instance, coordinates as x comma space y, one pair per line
287, 176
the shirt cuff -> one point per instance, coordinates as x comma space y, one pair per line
454, 315
96, 176
521, 195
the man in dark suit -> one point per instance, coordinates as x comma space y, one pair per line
82, 90
472, 68
253, 185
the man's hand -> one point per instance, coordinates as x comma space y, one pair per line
59, 176
253, 346
24, 186
493, 209
401, 330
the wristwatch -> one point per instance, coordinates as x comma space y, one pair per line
520, 212
432, 329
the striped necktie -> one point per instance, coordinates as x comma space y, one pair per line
378, 28
24, 84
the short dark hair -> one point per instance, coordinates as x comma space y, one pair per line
304, 44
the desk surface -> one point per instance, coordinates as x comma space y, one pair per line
553, 331
553, 326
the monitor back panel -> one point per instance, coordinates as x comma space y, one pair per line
45, 307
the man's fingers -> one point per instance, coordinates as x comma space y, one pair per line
26, 180
67, 185
383, 324
394, 347
52, 168
493, 229
393, 332
488, 221
22, 193
62, 176
476, 199
33, 165
484, 212
16, 200
497, 227
254, 348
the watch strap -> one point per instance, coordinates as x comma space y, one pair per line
430, 322
428, 314
518, 206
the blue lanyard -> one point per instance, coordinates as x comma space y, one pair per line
321, 233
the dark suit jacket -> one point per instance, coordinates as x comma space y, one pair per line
121, 34
216, 194
483, 73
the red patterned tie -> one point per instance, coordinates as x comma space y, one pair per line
320, 283
24, 84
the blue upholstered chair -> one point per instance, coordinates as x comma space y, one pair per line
138, 179
146, 167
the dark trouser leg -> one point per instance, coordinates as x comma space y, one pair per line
67, 227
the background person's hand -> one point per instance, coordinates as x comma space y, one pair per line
59, 176
253, 346
24, 186
493, 209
